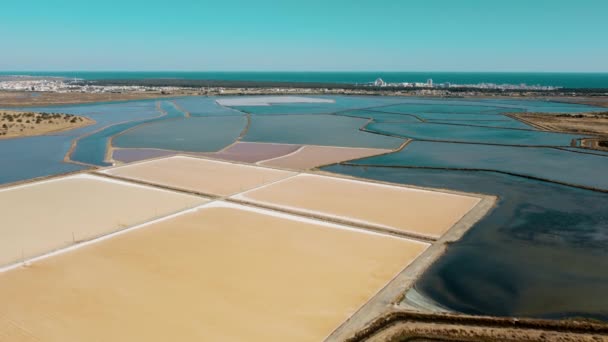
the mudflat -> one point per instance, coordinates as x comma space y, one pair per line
41, 217
222, 272
310, 156
423, 212
206, 176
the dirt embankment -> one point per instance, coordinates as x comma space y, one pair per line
29, 99
24, 124
410, 326
579, 123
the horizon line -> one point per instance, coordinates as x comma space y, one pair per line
316, 71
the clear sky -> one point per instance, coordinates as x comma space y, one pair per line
224, 35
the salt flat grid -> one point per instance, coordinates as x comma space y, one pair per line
61, 255
240, 169
389, 208
322, 308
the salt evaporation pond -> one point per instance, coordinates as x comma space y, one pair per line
471, 134
540, 253
329, 130
33, 157
200, 134
547, 163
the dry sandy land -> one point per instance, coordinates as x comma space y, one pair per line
41, 217
269, 100
594, 123
309, 157
200, 175
218, 273
251, 152
598, 101
20, 99
410, 210
24, 124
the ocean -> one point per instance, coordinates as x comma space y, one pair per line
566, 80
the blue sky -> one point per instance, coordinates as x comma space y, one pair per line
390, 35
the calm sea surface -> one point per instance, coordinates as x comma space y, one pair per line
567, 80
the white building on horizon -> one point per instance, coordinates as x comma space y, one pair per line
379, 82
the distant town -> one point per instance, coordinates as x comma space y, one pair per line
145, 88
446, 85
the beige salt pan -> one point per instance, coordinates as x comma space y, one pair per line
40, 217
310, 156
200, 175
215, 274
423, 212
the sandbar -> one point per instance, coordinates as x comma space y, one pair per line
310, 156
217, 178
38, 218
421, 212
219, 273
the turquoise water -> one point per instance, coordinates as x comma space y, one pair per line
204, 106
547, 163
454, 108
575, 149
290, 109
104, 114
570, 80
501, 123
92, 149
381, 117
470, 134
200, 134
328, 130
460, 116
341, 103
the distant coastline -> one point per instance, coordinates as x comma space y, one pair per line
564, 80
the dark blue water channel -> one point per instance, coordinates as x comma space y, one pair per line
541, 252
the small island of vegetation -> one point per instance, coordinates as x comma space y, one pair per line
23, 124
